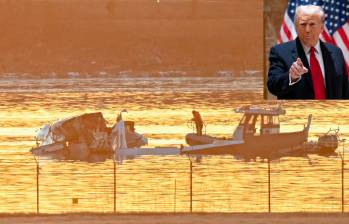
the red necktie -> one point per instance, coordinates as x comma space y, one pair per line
316, 76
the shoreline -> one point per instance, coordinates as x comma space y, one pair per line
129, 218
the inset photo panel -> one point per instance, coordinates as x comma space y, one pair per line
306, 49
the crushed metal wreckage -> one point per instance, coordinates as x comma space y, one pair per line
86, 135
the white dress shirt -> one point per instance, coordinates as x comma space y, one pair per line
318, 55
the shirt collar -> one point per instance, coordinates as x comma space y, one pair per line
317, 48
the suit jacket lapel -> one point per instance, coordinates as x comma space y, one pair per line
329, 70
307, 76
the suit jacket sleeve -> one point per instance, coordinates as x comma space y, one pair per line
278, 75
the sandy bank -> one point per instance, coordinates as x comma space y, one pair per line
246, 218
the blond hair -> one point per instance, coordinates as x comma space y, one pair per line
310, 10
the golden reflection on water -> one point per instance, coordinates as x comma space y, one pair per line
161, 183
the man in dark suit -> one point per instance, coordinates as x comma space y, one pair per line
307, 68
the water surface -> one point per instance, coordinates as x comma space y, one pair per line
161, 107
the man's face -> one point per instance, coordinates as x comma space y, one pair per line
309, 28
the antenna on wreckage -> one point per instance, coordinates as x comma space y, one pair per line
119, 117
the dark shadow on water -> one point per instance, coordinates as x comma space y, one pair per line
103, 157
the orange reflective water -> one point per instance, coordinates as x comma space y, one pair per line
161, 108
